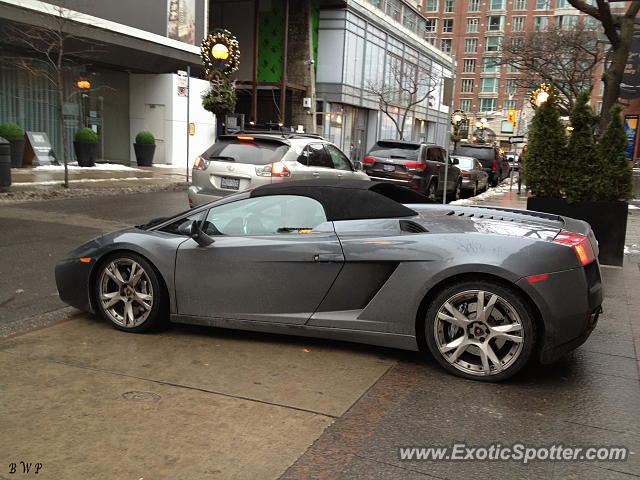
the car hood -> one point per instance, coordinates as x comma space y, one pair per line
490, 220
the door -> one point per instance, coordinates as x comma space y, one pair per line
435, 165
274, 258
319, 161
452, 174
341, 163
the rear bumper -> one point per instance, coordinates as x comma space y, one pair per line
197, 197
569, 303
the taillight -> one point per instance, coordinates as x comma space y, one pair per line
277, 169
580, 244
200, 164
419, 166
466, 175
494, 167
246, 139
369, 160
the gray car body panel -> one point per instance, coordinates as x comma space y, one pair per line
354, 280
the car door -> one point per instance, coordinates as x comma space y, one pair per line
319, 161
341, 164
273, 259
453, 171
435, 163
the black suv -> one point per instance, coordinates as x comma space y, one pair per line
493, 162
420, 166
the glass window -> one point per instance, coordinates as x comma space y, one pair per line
314, 155
445, 45
470, 45
447, 25
435, 154
174, 226
490, 64
431, 25
510, 104
431, 40
566, 22
474, 6
591, 23
520, 5
543, 4
466, 85
517, 24
255, 152
497, 4
449, 6
340, 160
469, 65
493, 44
511, 86
432, 5
489, 85
472, 25
465, 104
562, 4
268, 215
512, 68
488, 104
540, 23
495, 23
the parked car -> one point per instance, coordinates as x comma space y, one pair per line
493, 162
247, 160
474, 178
420, 166
358, 261
514, 161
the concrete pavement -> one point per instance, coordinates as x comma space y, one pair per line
87, 401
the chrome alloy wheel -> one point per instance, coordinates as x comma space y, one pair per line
126, 293
478, 332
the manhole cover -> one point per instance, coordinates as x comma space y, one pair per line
137, 396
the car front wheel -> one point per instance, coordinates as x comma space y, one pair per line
480, 330
129, 293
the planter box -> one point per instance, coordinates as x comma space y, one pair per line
144, 154
608, 221
86, 153
17, 152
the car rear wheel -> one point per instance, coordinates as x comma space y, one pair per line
480, 330
431, 191
129, 293
457, 193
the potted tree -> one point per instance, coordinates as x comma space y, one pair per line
579, 178
15, 134
145, 147
85, 146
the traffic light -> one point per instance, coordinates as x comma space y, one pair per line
511, 116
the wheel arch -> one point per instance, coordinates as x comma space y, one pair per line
472, 276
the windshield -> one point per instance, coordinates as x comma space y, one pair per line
395, 150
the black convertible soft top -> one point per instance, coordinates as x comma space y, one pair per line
350, 199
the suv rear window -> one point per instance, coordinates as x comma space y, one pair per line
395, 150
256, 152
484, 154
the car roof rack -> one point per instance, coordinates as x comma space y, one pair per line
282, 133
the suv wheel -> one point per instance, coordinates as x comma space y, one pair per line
431, 191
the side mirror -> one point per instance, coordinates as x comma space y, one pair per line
192, 230
357, 165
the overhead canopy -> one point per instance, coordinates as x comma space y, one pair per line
350, 199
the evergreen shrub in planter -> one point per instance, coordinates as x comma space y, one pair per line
85, 146
145, 148
15, 134
579, 178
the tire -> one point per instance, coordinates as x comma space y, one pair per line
457, 193
494, 181
430, 192
129, 293
491, 350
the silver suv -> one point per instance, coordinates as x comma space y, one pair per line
239, 162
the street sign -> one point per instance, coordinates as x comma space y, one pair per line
38, 151
517, 139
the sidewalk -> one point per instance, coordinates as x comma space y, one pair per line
46, 182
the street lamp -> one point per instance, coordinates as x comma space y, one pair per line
83, 84
220, 51
458, 118
481, 125
541, 95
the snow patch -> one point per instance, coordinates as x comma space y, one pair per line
631, 249
99, 166
492, 192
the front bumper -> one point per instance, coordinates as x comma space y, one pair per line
73, 279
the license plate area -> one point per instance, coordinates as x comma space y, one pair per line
230, 183
389, 168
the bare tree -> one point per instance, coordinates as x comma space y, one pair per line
53, 51
565, 57
618, 29
406, 88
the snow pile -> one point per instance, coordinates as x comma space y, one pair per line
492, 192
99, 166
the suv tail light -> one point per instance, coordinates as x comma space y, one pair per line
369, 160
419, 166
277, 169
580, 244
200, 164
494, 167
466, 175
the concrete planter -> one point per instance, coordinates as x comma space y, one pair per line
17, 152
86, 153
144, 154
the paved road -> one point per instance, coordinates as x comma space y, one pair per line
33, 236
88, 401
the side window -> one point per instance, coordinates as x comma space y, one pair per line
444, 155
340, 160
173, 226
270, 215
434, 154
423, 155
318, 157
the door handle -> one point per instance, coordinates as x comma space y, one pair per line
340, 175
328, 257
315, 174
